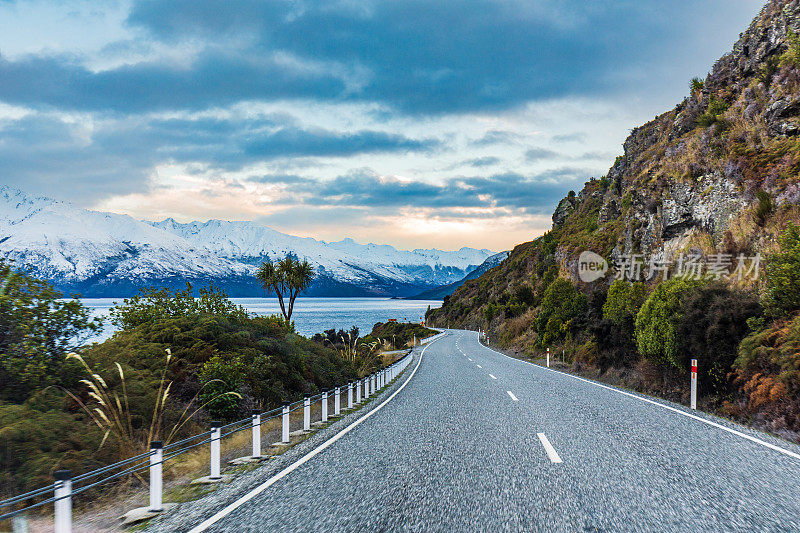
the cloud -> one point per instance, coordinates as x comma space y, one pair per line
485, 161
416, 57
498, 137
538, 154
530, 194
569, 138
44, 153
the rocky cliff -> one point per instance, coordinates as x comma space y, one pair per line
717, 174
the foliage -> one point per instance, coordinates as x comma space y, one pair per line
713, 320
764, 208
110, 409
401, 333
696, 85
656, 322
37, 329
562, 303
286, 279
152, 305
783, 275
716, 107
768, 371
791, 57
623, 302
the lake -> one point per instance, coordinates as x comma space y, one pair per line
311, 315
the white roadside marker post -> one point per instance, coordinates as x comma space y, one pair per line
63, 504
256, 434
216, 436
306, 414
285, 423
324, 417
337, 402
349, 394
156, 480
694, 384
548, 358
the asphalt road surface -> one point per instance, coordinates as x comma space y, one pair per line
477, 441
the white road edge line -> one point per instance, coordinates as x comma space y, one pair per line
552, 454
667, 407
492, 376
512, 395
205, 524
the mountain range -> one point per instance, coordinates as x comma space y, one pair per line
99, 254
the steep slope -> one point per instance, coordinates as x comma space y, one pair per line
105, 254
439, 293
716, 174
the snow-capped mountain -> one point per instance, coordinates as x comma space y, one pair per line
106, 254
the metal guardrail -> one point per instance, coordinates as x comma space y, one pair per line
66, 486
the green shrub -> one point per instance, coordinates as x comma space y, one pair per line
791, 56
37, 330
561, 305
623, 302
782, 295
716, 107
696, 85
657, 320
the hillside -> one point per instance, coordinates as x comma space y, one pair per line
106, 254
710, 187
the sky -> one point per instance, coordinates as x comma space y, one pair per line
416, 124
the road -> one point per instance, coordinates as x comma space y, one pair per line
477, 441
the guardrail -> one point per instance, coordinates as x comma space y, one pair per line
66, 487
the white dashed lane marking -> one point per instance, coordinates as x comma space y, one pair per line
512, 395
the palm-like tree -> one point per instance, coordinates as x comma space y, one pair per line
286, 278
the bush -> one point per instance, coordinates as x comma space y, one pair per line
37, 329
791, 56
783, 275
768, 372
696, 86
623, 302
561, 305
657, 320
713, 322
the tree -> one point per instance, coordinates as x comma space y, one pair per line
37, 329
657, 321
623, 302
561, 305
286, 279
783, 275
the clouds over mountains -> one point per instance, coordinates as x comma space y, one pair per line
470, 104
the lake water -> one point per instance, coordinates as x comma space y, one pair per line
311, 315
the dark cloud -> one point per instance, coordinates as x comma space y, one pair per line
533, 194
41, 153
414, 56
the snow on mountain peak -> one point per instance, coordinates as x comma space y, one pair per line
69, 245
